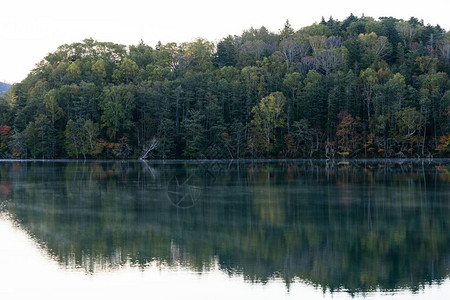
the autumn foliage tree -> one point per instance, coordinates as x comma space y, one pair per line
347, 134
5, 134
444, 141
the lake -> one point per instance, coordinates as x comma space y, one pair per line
306, 229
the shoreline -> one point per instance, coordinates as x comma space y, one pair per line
242, 160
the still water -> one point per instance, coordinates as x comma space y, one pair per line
204, 230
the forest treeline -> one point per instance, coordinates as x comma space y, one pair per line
354, 88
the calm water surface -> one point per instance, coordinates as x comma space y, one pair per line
260, 230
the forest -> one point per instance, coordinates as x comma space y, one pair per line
357, 88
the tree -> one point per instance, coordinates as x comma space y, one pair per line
214, 125
407, 32
409, 122
268, 116
444, 144
51, 105
6, 133
275, 68
318, 43
142, 54
99, 68
347, 136
85, 105
369, 81
395, 93
328, 60
90, 145
73, 138
18, 145
378, 44
117, 105
355, 48
149, 147
444, 50
287, 31
254, 78
432, 93
303, 136
10, 97
166, 137
293, 49
293, 83
170, 55
444, 140
126, 71
342, 96
226, 53
199, 55
315, 30
47, 135
73, 71
41, 137
238, 136
257, 48
427, 64
68, 94
313, 102
194, 134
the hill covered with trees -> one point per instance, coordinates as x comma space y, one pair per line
353, 88
4, 87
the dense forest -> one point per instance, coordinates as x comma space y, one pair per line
353, 88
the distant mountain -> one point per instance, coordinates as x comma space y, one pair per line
4, 87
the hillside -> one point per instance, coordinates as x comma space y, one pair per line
354, 88
4, 87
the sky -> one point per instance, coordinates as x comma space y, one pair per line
31, 29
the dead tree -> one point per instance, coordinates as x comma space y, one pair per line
149, 147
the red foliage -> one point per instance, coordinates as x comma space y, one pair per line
444, 143
346, 124
347, 135
6, 131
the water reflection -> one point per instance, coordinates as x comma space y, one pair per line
357, 227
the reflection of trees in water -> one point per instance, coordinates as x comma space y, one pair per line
357, 227
183, 194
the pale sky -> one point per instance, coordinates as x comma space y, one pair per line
30, 29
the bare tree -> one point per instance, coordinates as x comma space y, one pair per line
307, 63
318, 43
334, 42
328, 60
257, 47
407, 32
369, 82
382, 46
444, 48
289, 48
293, 49
149, 147
379, 44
